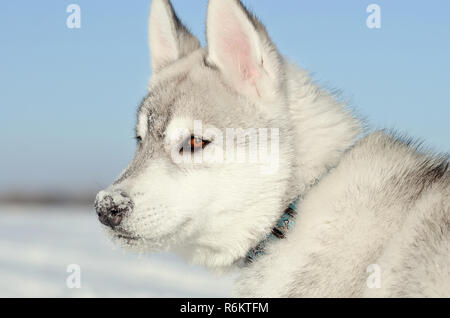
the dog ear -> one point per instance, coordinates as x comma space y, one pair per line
239, 45
169, 39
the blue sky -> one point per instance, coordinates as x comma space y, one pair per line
68, 96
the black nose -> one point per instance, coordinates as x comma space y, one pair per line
112, 207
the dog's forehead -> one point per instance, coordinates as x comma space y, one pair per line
158, 106
196, 92
180, 96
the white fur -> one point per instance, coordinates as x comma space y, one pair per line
167, 42
376, 200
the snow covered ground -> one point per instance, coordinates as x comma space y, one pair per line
38, 243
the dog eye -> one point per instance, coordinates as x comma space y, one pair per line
194, 144
138, 139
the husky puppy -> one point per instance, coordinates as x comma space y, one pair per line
373, 210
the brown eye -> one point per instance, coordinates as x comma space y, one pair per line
197, 143
194, 144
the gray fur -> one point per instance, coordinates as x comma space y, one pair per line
373, 199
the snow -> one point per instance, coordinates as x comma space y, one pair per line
37, 244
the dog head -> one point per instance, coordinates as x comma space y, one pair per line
214, 156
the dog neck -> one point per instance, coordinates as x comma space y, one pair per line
324, 129
279, 232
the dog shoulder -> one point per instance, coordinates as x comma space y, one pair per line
381, 184
401, 163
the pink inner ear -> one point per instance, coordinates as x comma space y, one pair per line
238, 52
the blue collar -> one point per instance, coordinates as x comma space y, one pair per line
286, 222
